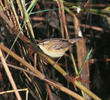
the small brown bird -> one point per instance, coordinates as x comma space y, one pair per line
56, 47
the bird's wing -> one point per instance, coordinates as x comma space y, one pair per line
61, 44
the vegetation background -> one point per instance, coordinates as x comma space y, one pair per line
26, 73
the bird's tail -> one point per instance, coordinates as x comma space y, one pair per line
74, 40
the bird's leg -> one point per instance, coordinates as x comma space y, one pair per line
60, 58
57, 60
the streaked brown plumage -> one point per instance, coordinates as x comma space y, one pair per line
56, 47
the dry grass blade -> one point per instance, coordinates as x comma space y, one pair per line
41, 76
10, 76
